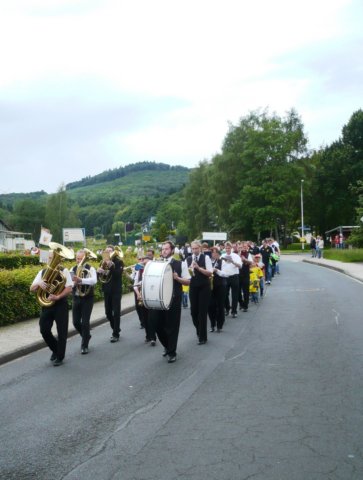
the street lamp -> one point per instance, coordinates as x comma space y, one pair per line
302, 214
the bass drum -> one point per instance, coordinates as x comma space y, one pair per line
157, 285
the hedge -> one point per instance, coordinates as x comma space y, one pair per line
18, 303
12, 261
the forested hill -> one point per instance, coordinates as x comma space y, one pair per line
136, 184
115, 173
129, 194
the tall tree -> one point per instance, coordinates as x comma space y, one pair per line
59, 214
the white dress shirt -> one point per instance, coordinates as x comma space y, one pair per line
208, 262
230, 268
65, 271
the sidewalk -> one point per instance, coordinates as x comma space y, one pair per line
24, 337
354, 270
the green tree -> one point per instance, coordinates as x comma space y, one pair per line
338, 168
28, 216
356, 238
59, 214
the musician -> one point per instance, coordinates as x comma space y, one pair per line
83, 298
112, 291
233, 264
143, 312
58, 313
200, 289
244, 276
218, 294
167, 322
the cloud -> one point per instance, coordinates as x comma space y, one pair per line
91, 85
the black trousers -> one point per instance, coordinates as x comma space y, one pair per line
199, 301
57, 313
233, 285
216, 306
148, 323
81, 315
245, 288
166, 324
113, 311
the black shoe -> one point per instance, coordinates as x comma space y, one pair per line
53, 357
240, 307
219, 330
172, 359
245, 309
84, 350
202, 342
211, 330
57, 362
165, 353
234, 315
152, 343
114, 339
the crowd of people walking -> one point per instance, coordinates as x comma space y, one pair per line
214, 282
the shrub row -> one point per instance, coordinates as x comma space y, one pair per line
17, 260
18, 303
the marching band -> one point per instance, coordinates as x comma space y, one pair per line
208, 274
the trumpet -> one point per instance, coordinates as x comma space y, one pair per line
106, 257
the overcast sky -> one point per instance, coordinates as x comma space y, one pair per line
90, 85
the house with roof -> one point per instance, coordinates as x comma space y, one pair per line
10, 240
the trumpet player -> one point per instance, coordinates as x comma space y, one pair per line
200, 290
112, 289
143, 312
54, 311
84, 279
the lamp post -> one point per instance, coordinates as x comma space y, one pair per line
302, 214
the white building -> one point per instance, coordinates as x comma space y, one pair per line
10, 240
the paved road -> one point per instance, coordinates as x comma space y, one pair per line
277, 395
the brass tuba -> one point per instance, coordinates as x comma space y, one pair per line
106, 257
82, 272
53, 275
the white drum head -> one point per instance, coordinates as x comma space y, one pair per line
157, 285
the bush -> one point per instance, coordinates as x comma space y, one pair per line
9, 261
295, 246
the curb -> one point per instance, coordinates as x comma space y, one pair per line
33, 347
332, 267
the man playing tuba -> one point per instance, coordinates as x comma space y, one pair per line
53, 284
84, 279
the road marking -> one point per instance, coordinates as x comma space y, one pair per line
239, 355
337, 315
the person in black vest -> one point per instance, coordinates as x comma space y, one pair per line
58, 313
201, 269
112, 290
244, 276
167, 322
266, 252
218, 294
83, 298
